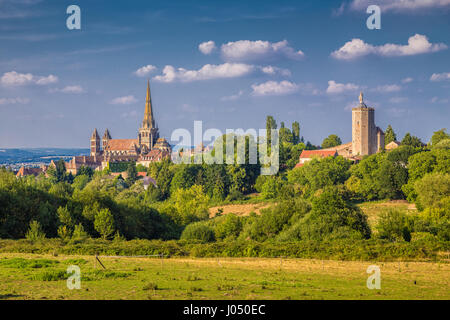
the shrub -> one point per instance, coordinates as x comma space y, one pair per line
332, 217
228, 226
64, 232
79, 233
235, 195
393, 226
198, 231
35, 232
272, 221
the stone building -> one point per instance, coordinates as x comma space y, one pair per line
146, 148
367, 138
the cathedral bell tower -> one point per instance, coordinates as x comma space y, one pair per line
106, 138
148, 133
95, 143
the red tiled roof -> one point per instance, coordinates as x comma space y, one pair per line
121, 144
317, 153
142, 174
29, 171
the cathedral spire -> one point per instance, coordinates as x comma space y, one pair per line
95, 135
148, 122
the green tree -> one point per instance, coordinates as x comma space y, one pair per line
389, 135
270, 124
191, 204
163, 179
80, 182
104, 223
229, 226
439, 136
87, 171
431, 189
331, 141
319, 173
296, 132
285, 135
64, 232
79, 233
131, 174
57, 172
185, 176
35, 232
412, 141
334, 217
65, 217
198, 231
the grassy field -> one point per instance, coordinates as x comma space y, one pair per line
28, 276
374, 208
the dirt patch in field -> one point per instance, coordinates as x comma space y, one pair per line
240, 209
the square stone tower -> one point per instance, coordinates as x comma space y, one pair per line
364, 131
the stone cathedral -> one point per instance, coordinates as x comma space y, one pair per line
146, 148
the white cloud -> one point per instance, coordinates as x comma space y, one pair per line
14, 100
68, 89
246, 50
417, 44
353, 49
207, 47
387, 88
207, 72
124, 100
271, 70
72, 89
334, 87
145, 70
274, 88
233, 97
14, 78
399, 5
407, 80
47, 80
440, 76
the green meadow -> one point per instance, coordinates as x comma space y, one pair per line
43, 277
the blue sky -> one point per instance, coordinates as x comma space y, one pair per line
300, 61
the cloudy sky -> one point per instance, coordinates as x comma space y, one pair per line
227, 63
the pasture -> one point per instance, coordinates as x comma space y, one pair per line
31, 276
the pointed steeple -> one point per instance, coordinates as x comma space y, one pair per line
95, 135
148, 121
107, 136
